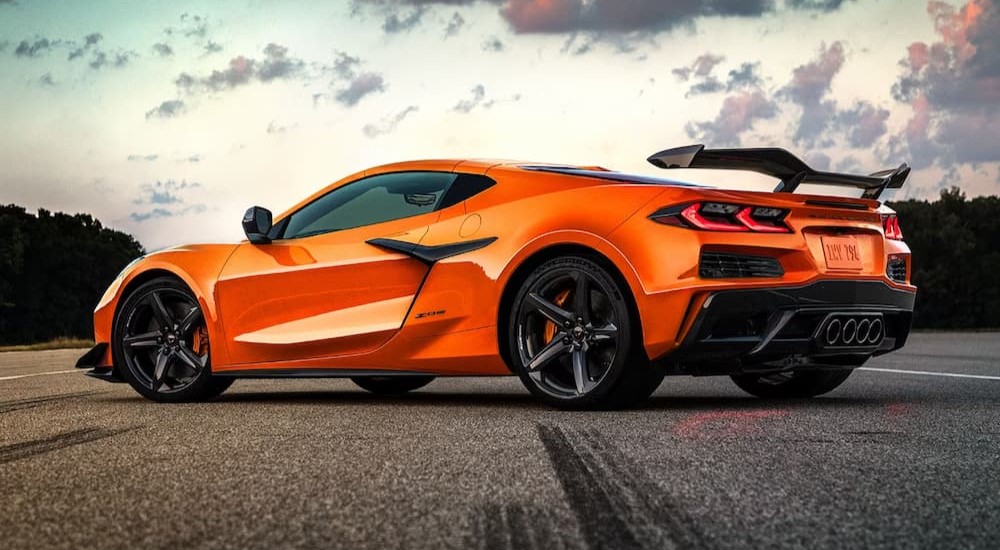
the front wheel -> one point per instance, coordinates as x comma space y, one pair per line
160, 344
806, 383
573, 341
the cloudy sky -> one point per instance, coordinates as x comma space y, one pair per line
167, 119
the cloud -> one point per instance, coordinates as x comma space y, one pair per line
163, 49
274, 128
142, 158
164, 192
617, 16
46, 80
167, 109
953, 88
454, 25
388, 124
493, 44
395, 24
275, 64
467, 105
737, 115
116, 59
37, 48
745, 76
191, 26
345, 65
819, 5
212, 47
359, 87
808, 88
166, 199
702, 66
863, 124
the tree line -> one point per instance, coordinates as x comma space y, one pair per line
956, 259
54, 267
53, 270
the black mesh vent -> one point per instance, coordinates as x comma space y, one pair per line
724, 265
896, 270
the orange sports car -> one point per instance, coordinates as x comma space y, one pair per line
589, 284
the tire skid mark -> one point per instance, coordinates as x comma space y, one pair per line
19, 404
514, 527
28, 449
616, 504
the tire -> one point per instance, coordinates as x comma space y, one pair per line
574, 340
160, 344
791, 384
391, 385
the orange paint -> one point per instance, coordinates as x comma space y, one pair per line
334, 301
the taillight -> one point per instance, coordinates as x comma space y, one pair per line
714, 216
890, 223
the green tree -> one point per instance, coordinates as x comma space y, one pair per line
53, 270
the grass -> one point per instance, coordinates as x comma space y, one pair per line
57, 343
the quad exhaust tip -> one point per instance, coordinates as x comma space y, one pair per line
854, 330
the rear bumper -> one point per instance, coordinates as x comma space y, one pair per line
764, 329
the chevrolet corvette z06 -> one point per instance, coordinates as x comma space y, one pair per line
589, 284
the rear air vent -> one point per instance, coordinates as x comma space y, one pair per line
896, 270
724, 265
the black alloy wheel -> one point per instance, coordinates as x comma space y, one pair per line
161, 344
572, 339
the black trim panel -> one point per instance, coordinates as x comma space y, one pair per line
315, 373
92, 358
777, 163
106, 374
432, 254
773, 325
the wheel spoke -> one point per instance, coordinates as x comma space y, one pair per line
581, 296
605, 333
551, 350
162, 361
189, 321
145, 340
554, 313
160, 312
190, 359
580, 374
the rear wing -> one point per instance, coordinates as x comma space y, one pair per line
778, 163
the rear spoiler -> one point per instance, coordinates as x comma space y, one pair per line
778, 163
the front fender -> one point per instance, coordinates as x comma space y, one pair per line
198, 266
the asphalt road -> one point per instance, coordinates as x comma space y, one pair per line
890, 459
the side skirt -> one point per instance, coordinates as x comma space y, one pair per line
317, 373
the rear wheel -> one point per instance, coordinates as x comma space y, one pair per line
391, 385
806, 383
573, 341
160, 344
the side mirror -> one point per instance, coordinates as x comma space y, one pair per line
257, 224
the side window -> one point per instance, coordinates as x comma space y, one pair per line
465, 186
371, 200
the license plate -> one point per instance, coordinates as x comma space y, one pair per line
842, 253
